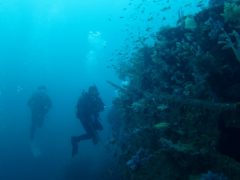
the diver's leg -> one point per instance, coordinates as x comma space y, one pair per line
76, 139
81, 137
40, 121
33, 128
98, 125
91, 128
32, 131
87, 125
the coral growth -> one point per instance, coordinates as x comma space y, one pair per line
177, 92
231, 12
233, 44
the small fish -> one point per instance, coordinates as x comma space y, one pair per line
148, 29
165, 8
139, 6
187, 5
150, 19
161, 125
200, 3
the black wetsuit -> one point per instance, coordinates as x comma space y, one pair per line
88, 108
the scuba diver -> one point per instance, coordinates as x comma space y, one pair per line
39, 104
88, 108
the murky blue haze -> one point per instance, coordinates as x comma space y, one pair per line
65, 45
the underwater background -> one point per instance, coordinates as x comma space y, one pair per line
168, 72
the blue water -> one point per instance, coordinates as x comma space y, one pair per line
66, 45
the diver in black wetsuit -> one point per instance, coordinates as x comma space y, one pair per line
39, 104
88, 108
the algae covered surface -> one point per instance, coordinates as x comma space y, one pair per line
178, 112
